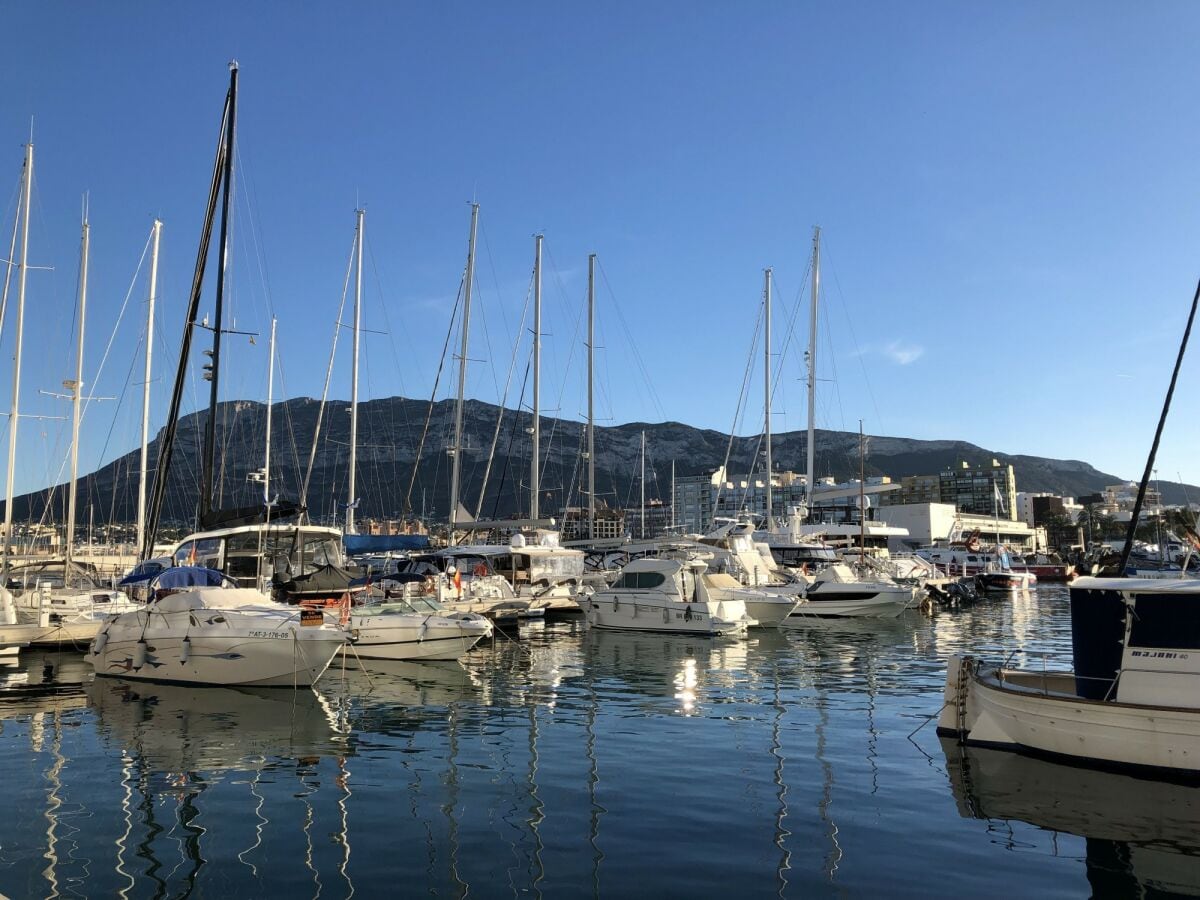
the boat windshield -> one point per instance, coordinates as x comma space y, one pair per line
318, 550
407, 605
639, 580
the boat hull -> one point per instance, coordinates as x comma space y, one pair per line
851, 600
215, 647
663, 615
404, 637
1003, 582
1040, 713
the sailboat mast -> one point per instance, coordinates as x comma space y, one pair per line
166, 446
358, 263
214, 374
141, 511
456, 451
591, 441
77, 385
14, 414
812, 368
270, 400
767, 391
672, 495
643, 485
862, 506
536, 461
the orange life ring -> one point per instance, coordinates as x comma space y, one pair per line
480, 569
428, 586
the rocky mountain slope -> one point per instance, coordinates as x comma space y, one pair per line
390, 431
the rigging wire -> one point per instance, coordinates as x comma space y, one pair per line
312, 456
433, 396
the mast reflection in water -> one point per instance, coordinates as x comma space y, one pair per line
565, 763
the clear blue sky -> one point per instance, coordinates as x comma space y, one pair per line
1007, 193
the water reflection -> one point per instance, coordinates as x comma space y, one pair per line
563, 763
1142, 837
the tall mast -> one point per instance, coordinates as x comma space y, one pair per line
456, 451
14, 415
270, 400
358, 261
767, 392
166, 446
141, 511
591, 441
535, 464
643, 485
210, 431
862, 506
77, 384
812, 367
672, 495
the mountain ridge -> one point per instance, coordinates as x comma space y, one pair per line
390, 431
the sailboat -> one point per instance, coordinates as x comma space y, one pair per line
832, 588
296, 561
52, 593
199, 626
541, 574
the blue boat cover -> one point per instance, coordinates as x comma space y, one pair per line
383, 543
142, 572
188, 576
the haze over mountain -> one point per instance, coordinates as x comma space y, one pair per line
390, 432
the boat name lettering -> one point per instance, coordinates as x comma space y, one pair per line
1157, 654
269, 634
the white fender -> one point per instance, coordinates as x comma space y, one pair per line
99, 643
139, 655
185, 650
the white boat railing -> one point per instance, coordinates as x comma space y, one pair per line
1051, 666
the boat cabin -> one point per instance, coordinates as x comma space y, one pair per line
1137, 640
258, 555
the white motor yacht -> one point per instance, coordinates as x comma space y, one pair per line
836, 591
415, 628
664, 595
1132, 699
200, 628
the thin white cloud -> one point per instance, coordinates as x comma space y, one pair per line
903, 354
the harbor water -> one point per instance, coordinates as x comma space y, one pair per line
797, 763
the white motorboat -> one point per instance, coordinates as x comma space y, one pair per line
837, 592
416, 628
200, 628
1131, 700
664, 595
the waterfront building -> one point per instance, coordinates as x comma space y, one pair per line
701, 499
974, 490
932, 523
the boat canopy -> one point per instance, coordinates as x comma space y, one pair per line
181, 577
384, 543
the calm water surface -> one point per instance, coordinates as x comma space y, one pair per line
571, 763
